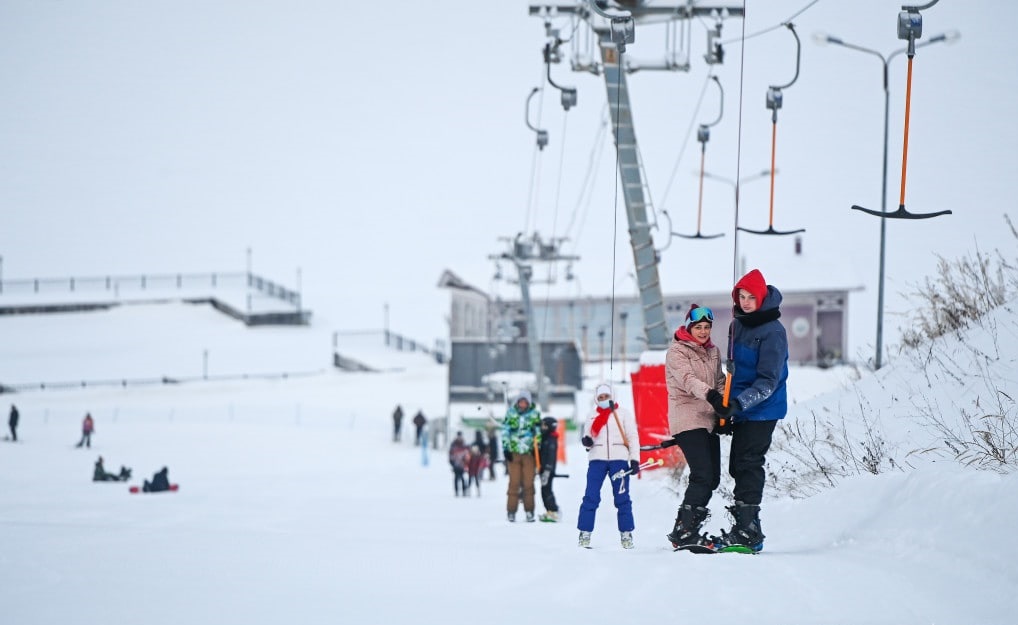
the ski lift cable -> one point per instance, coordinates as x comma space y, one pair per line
585, 185
703, 136
746, 37
587, 192
685, 141
738, 159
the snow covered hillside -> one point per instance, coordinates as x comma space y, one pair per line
296, 506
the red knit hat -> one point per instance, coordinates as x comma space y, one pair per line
754, 283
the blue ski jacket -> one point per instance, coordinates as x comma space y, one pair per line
759, 347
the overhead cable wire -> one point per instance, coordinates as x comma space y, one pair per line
685, 140
767, 30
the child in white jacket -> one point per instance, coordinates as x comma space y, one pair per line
613, 446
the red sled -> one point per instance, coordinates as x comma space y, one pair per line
173, 489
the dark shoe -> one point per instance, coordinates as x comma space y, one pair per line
746, 529
688, 522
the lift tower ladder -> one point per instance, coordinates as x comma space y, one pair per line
630, 167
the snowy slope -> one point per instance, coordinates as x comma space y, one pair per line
295, 506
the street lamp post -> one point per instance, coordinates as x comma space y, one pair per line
736, 185
822, 38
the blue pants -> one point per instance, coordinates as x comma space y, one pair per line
597, 471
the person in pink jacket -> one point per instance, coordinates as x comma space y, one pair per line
613, 447
692, 373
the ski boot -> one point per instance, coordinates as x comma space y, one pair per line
627, 540
686, 533
584, 540
530, 516
511, 516
746, 533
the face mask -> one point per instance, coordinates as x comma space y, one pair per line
604, 404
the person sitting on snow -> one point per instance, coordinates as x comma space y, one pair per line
160, 482
100, 474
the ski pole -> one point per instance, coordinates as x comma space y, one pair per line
668, 442
653, 462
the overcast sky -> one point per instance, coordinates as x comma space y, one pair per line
372, 145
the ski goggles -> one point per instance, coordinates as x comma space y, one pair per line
700, 314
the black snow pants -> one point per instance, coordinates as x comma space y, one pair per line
702, 451
750, 442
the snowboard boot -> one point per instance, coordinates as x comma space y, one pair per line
688, 522
530, 516
746, 530
584, 540
627, 540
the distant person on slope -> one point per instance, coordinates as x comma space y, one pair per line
160, 482
549, 459
419, 422
476, 464
12, 422
100, 474
397, 424
459, 454
758, 349
493, 452
693, 375
520, 435
87, 428
613, 445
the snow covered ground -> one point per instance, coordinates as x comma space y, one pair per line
295, 506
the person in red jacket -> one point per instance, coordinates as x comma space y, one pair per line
87, 427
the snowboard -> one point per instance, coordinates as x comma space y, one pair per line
137, 489
738, 549
704, 549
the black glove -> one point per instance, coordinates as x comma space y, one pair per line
670, 442
716, 400
587, 442
723, 425
508, 455
545, 477
634, 466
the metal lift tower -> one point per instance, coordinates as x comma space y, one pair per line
614, 31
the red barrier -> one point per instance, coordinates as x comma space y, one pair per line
650, 402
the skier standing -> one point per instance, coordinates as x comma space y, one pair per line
549, 458
613, 445
693, 374
397, 424
459, 454
520, 434
87, 427
12, 422
758, 349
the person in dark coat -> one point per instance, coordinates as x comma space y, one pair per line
13, 423
100, 474
160, 482
397, 424
548, 451
758, 353
492, 452
419, 422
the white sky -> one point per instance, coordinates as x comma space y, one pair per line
374, 145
